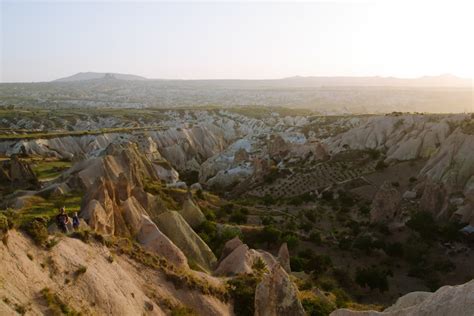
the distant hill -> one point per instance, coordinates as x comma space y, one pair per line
445, 80
81, 76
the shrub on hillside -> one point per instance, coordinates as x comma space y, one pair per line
238, 217
424, 224
270, 235
318, 264
316, 306
373, 277
242, 290
291, 240
315, 237
37, 230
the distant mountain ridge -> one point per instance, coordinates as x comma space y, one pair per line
445, 80
82, 76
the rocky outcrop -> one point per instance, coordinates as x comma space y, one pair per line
284, 257
113, 209
386, 204
434, 198
17, 173
155, 241
241, 260
276, 295
116, 159
404, 137
450, 171
191, 213
447, 300
230, 246
112, 284
182, 235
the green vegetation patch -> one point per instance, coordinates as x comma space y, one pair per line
47, 169
56, 305
47, 209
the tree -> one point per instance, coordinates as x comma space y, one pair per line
270, 234
372, 277
424, 224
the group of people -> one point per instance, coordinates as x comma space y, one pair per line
62, 220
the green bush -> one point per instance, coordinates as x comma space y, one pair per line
342, 298
238, 217
37, 230
182, 311
315, 237
424, 224
56, 305
4, 226
268, 200
291, 240
318, 264
270, 235
298, 264
372, 277
200, 194
316, 306
242, 290
80, 271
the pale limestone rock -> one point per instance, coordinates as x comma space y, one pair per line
448, 300
284, 257
173, 225
155, 241
276, 295
385, 205
241, 260
192, 213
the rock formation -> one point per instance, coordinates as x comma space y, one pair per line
17, 173
112, 284
182, 235
385, 204
241, 260
192, 213
276, 295
284, 257
448, 300
113, 209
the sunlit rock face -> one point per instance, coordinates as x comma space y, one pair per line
277, 295
447, 300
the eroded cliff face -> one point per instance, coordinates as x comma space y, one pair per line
17, 173
108, 283
277, 295
451, 172
404, 137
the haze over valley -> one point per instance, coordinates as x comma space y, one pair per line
324, 95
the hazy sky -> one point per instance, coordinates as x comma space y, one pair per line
44, 41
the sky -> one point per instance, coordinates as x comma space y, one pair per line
42, 41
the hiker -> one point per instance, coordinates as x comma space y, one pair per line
62, 220
75, 221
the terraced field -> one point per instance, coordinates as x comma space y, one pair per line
314, 178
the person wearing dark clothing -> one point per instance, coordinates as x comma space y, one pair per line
62, 220
75, 221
